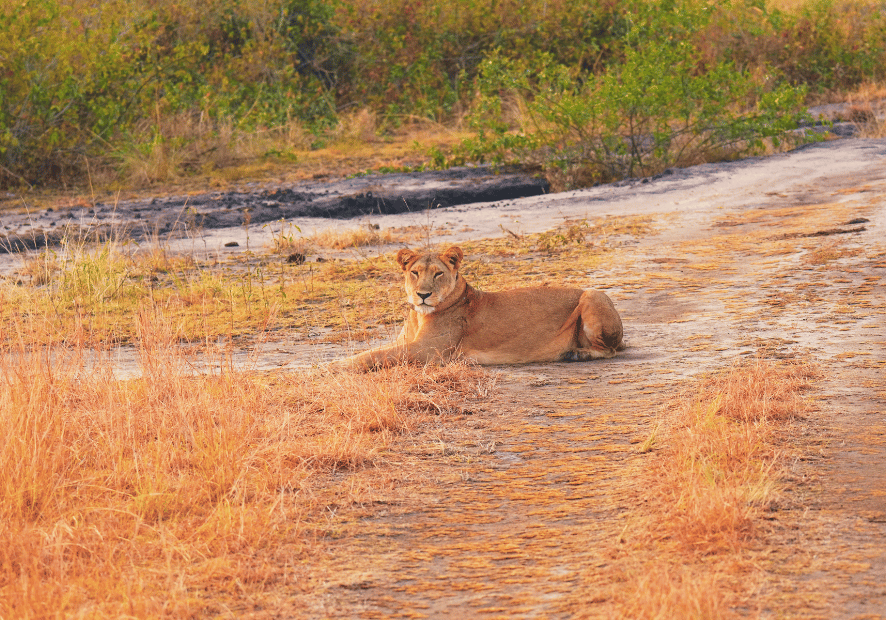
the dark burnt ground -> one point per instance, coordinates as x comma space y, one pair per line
381, 194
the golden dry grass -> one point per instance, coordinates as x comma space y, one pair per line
186, 155
717, 470
183, 144
356, 237
179, 494
663, 592
870, 117
94, 292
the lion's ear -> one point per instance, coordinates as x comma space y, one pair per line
404, 257
452, 256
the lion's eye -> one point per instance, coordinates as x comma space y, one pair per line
415, 273
438, 274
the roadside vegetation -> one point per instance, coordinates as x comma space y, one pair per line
131, 93
178, 495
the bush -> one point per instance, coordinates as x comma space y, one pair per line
57, 91
660, 105
827, 45
81, 80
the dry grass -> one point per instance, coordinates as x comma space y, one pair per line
185, 144
338, 238
706, 487
183, 495
356, 128
96, 290
289, 240
865, 107
870, 117
41, 268
597, 232
372, 235
665, 592
722, 441
369, 234
188, 153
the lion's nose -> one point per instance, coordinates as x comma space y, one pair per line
423, 295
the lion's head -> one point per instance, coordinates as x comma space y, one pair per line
430, 278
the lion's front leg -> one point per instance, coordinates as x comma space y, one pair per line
414, 352
376, 358
417, 344
388, 355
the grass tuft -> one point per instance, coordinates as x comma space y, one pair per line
662, 592
370, 234
721, 466
716, 471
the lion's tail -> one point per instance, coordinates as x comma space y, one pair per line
571, 322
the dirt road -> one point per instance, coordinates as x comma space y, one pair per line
520, 514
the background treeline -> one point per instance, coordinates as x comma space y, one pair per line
85, 83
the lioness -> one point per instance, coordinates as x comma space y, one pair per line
450, 318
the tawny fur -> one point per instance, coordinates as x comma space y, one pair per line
449, 318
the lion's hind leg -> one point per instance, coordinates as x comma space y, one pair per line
601, 333
585, 354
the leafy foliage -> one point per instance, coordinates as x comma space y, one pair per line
660, 105
82, 81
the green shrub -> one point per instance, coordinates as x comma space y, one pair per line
833, 45
826, 45
413, 58
660, 105
53, 89
82, 80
